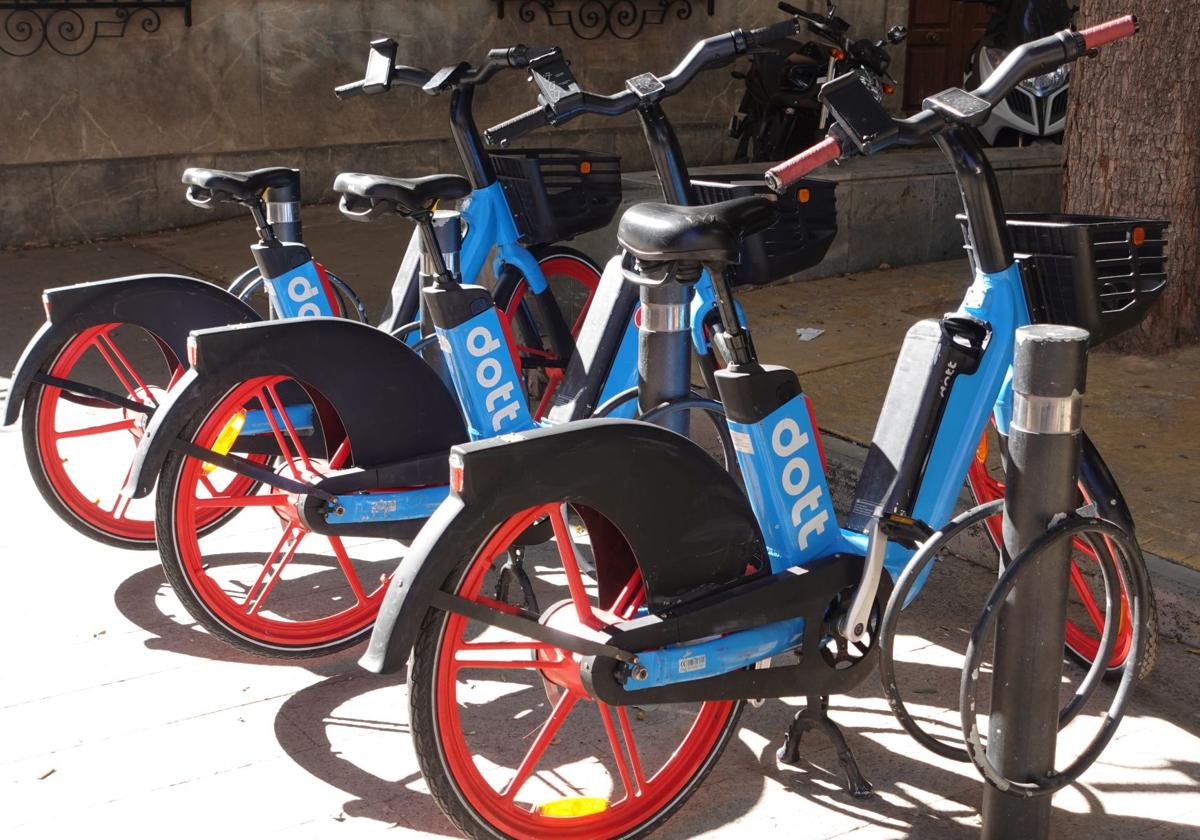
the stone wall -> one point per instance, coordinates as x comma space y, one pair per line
92, 145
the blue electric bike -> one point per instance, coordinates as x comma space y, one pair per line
667, 590
303, 570
91, 377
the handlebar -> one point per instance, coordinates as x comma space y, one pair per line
1030, 59
1106, 33
704, 55
516, 57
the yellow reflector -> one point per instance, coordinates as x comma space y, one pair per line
228, 436
982, 450
576, 806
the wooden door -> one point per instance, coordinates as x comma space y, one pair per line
941, 34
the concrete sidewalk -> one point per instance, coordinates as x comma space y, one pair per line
118, 715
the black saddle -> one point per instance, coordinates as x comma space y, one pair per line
368, 195
710, 234
242, 187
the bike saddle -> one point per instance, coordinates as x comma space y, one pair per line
368, 195
222, 185
709, 234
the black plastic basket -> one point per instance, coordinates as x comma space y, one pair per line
1097, 272
557, 194
798, 239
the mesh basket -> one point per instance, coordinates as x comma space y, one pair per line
797, 240
557, 194
1096, 272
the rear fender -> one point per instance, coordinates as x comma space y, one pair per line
392, 404
167, 305
680, 514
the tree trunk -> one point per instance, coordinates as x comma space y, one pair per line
1133, 148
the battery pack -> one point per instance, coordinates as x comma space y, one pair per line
935, 352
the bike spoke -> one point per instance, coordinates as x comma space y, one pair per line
343, 559
269, 568
549, 729
285, 452
112, 346
102, 349
269, 500
567, 552
340, 455
630, 596
1085, 595
618, 754
103, 429
121, 505
634, 759
291, 430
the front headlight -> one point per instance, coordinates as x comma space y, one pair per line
1048, 82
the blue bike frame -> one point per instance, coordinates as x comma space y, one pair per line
790, 497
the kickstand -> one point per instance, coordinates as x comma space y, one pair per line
816, 716
514, 568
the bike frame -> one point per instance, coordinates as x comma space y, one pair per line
781, 464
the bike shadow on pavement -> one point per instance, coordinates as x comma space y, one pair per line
146, 600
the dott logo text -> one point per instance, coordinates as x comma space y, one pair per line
301, 291
787, 441
499, 401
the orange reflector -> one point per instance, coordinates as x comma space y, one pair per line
982, 450
191, 350
889, 89
585, 167
228, 436
576, 806
803, 196
837, 54
1139, 235
456, 473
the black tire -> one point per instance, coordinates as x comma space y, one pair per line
37, 471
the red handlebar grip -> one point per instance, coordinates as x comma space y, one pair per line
1106, 33
781, 177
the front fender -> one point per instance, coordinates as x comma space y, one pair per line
392, 405
684, 520
167, 305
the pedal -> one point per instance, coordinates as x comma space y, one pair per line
905, 530
817, 717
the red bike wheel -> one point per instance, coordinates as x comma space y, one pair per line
269, 586
508, 738
1083, 641
573, 279
80, 449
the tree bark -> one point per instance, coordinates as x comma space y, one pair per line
1132, 148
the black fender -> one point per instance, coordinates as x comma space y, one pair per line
391, 403
682, 516
167, 305
1099, 483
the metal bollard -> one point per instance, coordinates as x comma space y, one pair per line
1049, 376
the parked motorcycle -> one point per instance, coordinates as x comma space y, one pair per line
1037, 107
779, 113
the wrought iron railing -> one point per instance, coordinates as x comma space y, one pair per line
590, 19
72, 27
